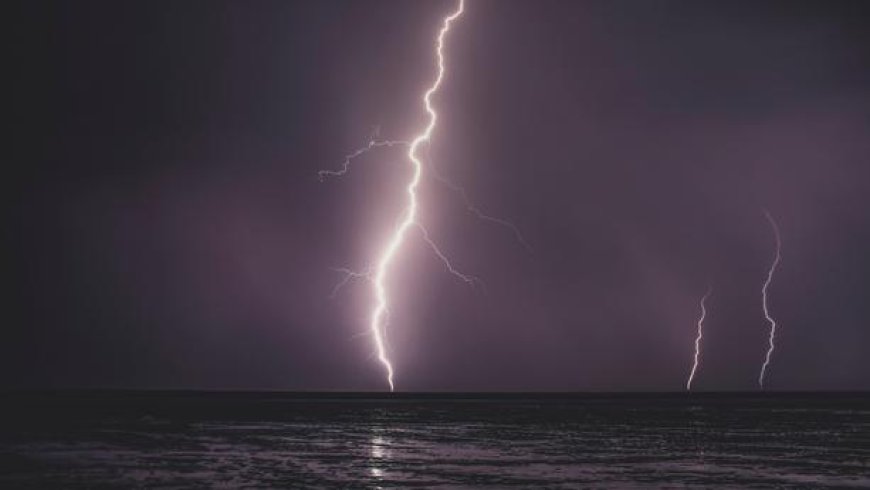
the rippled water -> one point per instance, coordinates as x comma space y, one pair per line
648, 441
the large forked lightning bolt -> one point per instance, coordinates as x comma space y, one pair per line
773, 265
409, 219
699, 337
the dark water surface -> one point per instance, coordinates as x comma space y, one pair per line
160, 439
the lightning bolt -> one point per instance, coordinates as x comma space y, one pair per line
382, 297
375, 143
773, 265
699, 337
378, 274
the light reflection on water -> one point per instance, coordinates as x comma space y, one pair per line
380, 456
501, 444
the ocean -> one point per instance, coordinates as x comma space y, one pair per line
129, 439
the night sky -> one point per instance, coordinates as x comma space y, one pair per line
166, 228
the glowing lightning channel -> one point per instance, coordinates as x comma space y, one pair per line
374, 143
773, 265
410, 216
699, 337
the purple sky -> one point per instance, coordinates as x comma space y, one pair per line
167, 228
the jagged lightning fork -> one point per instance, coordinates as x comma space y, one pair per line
473, 209
773, 265
699, 337
349, 275
375, 143
466, 278
377, 325
350, 157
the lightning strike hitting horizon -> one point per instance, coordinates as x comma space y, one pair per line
377, 321
699, 337
378, 274
770, 272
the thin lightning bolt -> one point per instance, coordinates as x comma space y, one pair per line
468, 279
699, 337
383, 265
773, 265
378, 274
349, 275
349, 158
477, 212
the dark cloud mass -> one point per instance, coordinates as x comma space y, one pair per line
166, 228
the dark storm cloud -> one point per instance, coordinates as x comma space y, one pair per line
167, 228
